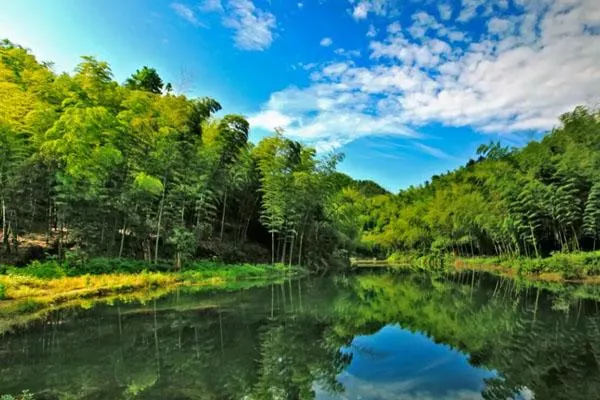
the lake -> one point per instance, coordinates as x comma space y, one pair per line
368, 336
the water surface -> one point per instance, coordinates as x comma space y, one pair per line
373, 336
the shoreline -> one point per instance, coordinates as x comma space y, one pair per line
578, 268
509, 272
27, 298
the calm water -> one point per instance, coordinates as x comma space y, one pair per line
363, 337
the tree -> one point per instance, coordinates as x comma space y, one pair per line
146, 79
591, 214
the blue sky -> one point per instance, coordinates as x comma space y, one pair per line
395, 363
404, 88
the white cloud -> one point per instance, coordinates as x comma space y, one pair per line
456, 36
347, 53
270, 120
253, 28
360, 11
499, 25
432, 151
394, 27
372, 32
362, 8
469, 9
424, 23
445, 11
326, 42
520, 75
186, 13
300, 5
211, 6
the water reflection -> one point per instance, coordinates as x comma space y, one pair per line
395, 363
461, 336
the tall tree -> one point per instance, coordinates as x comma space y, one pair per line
146, 79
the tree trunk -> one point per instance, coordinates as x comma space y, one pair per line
4, 233
60, 238
178, 261
160, 212
283, 250
102, 231
122, 237
300, 248
49, 231
272, 247
291, 250
245, 230
537, 254
575, 237
223, 215
565, 239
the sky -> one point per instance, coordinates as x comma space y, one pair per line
404, 88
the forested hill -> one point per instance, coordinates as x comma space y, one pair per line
531, 201
89, 166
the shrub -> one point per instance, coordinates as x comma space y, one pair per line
2, 292
45, 270
76, 258
25, 395
98, 266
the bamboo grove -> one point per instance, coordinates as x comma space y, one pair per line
133, 170
531, 201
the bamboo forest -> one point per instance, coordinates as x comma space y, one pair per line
151, 249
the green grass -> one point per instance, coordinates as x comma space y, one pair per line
575, 266
52, 269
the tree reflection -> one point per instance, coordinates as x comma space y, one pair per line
290, 341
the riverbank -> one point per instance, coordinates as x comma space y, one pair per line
559, 267
31, 292
580, 267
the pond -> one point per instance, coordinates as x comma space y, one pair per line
368, 336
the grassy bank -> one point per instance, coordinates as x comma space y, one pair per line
31, 292
559, 267
576, 267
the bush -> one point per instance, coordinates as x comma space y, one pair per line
99, 266
25, 395
2, 292
44, 270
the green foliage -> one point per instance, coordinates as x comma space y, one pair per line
571, 266
145, 79
25, 395
49, 269
101, 265
510, 203
123, 171
2, 292
148, 184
